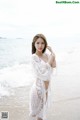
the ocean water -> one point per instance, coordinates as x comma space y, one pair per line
14, 51
15, 64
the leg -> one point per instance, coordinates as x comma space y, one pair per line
46, 83
46, 95
39, 119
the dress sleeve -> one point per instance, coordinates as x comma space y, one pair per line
41, 71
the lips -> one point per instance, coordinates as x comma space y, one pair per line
40, 48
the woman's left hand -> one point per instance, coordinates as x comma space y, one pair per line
50, 49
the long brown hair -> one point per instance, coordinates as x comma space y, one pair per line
35, 39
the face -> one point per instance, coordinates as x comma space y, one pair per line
39, 44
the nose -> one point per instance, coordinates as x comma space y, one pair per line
40, 45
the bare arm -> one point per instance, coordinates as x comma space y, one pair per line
51, 60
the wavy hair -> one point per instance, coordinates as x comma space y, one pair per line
35, 39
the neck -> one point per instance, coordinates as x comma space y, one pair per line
39, 53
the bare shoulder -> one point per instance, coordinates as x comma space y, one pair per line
49, 55
46, 55
52, 55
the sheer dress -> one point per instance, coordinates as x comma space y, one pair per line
38, 100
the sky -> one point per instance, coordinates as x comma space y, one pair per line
25, 18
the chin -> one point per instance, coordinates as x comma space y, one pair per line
39, 50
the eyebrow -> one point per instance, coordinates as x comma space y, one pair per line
39, 42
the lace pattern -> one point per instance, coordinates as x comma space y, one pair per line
38, 100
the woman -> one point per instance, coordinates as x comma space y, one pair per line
43, 65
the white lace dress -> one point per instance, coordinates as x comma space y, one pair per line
38, 101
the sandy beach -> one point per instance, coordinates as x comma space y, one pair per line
65, 104
16, 105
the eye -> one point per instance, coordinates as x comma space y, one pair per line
37, 42
42, 42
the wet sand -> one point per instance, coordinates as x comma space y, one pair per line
17, 104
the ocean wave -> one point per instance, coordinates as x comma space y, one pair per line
16, 76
